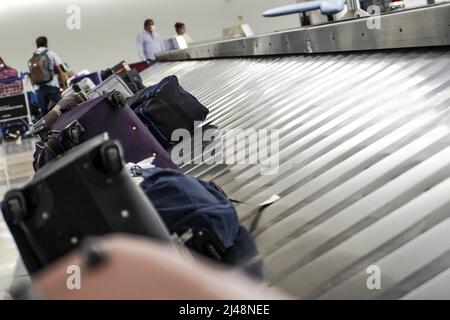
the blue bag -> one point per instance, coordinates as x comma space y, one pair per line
203, 212
166, 107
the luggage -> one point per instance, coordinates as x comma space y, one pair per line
88, 192
140, 66
92, 91
41, 68
122, 66
133, 80
108, 113
95, 77
13, 129
117, 69
67, 103
84, 85
166, 107
10, 83
200, 215
114, 82
243, 252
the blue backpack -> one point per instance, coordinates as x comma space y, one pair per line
201, 216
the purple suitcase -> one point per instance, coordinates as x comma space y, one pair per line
92, 118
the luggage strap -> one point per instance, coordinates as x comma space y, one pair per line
204, 241
259, 210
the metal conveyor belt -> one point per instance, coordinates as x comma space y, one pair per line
364, 175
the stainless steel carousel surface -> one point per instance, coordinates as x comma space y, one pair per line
364, 166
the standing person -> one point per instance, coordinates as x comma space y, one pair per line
180, 29
149, 42
46, 72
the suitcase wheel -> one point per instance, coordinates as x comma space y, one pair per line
116, 99
111, 158
15, 208
74, 135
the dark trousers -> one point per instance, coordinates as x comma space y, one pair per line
44, 95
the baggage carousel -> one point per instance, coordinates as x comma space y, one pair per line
363, 181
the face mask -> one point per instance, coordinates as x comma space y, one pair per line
154, 28
2, 65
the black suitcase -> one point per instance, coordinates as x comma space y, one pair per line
133, 80
88, 192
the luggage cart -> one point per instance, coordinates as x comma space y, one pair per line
14, 106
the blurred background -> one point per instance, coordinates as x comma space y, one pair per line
109, 27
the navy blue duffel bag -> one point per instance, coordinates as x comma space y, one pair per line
201, 216
166, 107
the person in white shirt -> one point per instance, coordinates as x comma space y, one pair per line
180, 29
149, 42
50, 91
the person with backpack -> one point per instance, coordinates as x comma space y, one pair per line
46, 73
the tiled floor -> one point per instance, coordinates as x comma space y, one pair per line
15, 169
